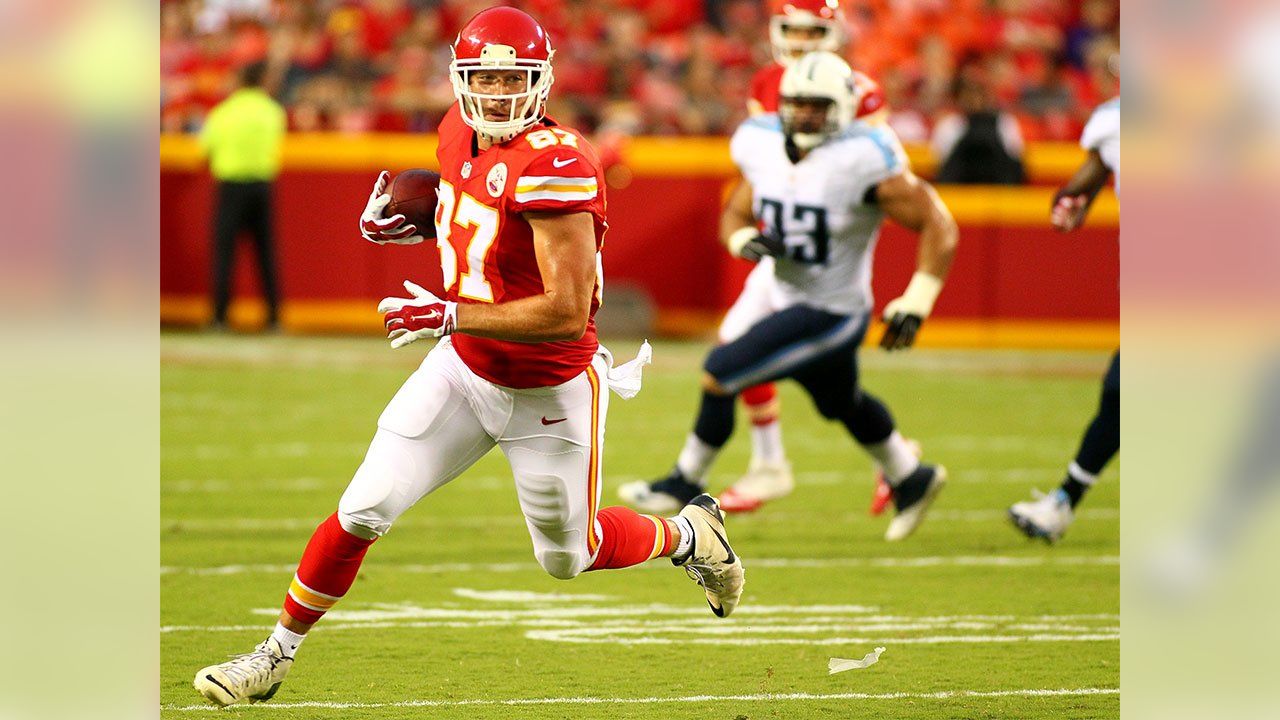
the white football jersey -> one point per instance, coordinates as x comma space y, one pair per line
818, 206
1102, 133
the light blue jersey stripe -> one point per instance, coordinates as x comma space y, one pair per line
882, 138
768, 121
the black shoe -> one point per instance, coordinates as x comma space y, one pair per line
660, 497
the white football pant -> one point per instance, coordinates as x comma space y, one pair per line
754, 303
445, 418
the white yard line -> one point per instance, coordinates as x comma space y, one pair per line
811, 563
758, 697
556, 636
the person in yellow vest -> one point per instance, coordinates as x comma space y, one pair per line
241, 139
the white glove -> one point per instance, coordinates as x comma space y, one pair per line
424, 315
904, 315
380, 230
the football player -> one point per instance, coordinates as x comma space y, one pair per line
816, 184
795, 28
519, 224
1049, 516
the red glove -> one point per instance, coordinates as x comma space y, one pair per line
411, 319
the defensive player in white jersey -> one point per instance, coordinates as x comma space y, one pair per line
816, 185
1049, 516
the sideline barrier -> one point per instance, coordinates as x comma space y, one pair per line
1015, 282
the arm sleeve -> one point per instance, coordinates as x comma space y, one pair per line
871, 95
564, 180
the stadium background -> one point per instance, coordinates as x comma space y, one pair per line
659, 85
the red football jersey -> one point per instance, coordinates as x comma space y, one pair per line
486, 245
764, 90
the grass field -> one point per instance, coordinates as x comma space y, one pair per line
451, 617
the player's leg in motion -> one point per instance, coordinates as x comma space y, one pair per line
832, 382
554, 441
427, 436
768, 475
807, 344
1049, 516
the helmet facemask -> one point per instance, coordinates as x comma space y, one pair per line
816, 80
787, 49
525, 108
796, 115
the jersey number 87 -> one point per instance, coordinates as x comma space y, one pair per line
465, 212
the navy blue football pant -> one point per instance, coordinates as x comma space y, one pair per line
1101, 439
815, 348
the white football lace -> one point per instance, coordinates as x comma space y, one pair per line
706, 576
249, 667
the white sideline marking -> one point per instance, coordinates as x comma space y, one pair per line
568, 637
488, 521
226, 485
814, 563
758, 697
524, 596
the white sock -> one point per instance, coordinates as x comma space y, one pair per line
685, 546
1080, 475
895, 456
766, 443
288, 639
695, 459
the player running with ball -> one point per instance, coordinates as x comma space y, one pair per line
816, 185
519, 225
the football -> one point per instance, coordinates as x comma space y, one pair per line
413, 194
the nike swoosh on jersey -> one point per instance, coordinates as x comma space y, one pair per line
559, 163
545, 421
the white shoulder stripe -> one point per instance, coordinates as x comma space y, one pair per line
523, 196
531, 181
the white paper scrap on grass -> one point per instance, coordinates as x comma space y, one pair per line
835, 665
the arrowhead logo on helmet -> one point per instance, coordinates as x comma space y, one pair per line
502, 40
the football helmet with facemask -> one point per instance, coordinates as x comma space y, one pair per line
502, 39
817, 76
820, 17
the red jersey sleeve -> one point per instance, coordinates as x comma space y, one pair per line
872, 96
764, 87
560, 179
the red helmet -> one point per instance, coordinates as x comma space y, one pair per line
789, 15
502, 38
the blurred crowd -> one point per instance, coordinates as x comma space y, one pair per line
656, 67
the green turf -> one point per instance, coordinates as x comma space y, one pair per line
260, 436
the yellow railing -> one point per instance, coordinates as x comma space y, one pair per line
698, 156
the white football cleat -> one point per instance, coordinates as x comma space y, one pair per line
251, 677
911, 514
1046, 517
712, 562
761, 483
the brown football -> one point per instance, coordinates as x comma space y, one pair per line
413, 194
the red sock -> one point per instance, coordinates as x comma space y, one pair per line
628, 538
758, 399
326, 571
